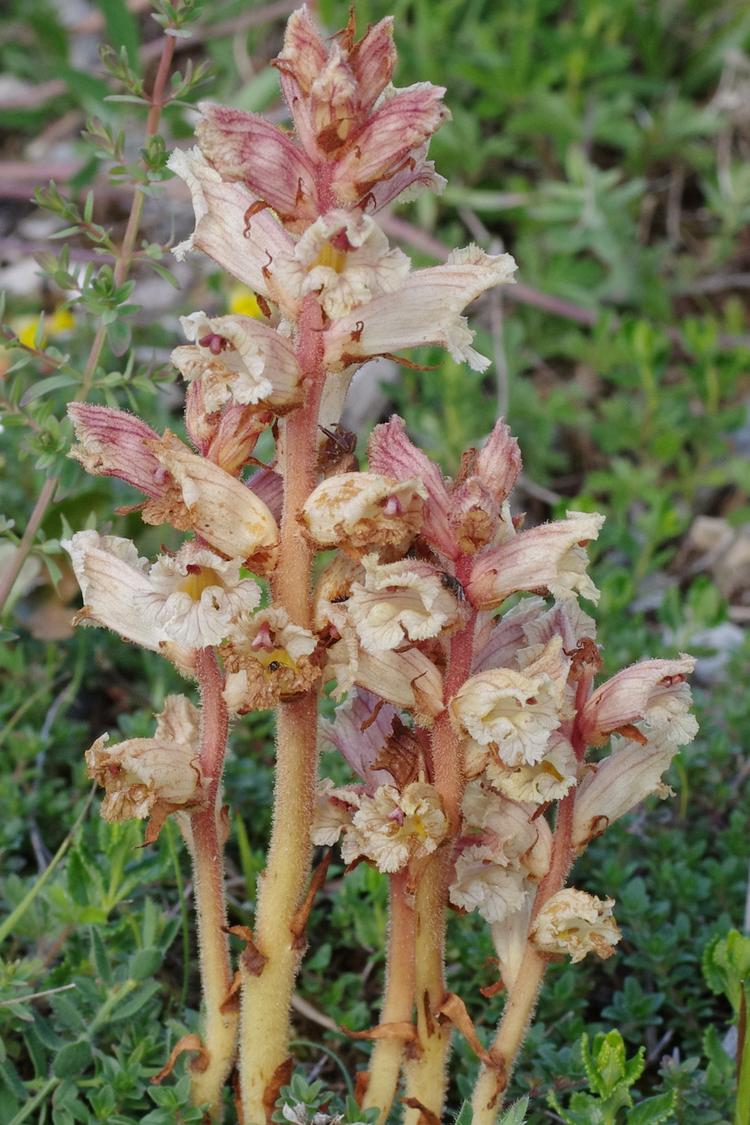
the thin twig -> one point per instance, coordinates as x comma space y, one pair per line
122, 267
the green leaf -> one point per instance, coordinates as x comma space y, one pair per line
72, 1059
118, 335
144, 963
135, 1002
47, 386
516, 1114
652, 1111
77, 878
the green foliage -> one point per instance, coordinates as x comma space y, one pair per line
611, 1075
585, 139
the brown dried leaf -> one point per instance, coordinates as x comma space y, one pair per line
282, 1076
426, 1116
187, 1043
402, 1030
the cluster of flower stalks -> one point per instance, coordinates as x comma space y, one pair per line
451, 638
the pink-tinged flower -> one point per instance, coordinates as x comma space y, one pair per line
113, 443
498, 639
565, 619
334, 808
362, 512
399, 602
497, 463
461, 516
151, 777
392, 454
390, 140
614, 786
239, 359
268, 659
573, 923
241, 245
180, 603
222, 510
547, 559
344, 258
391, 828
360, 731
407, 679
652, 694
231, 439
515, 711
508, 828
367, 141
246, 148
426, 310
510, 939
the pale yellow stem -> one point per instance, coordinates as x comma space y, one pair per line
426, 1072
493, 1079
268, 982
398, 1001
220, 1020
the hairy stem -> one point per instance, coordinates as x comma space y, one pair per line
398, 1001
122, 266
426, 1074
268, 982
207, 847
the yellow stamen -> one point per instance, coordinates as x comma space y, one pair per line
331, 257
195, 584
276, 657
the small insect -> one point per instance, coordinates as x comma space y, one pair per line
336, 454
450, 582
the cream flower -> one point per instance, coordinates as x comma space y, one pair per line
364, 511
188, 600
481, 883
344, 257
241, 248
223, 510
267, 658
574, 923
399, 601
547, 780
425, 310
508, 829
151, 777
390, 828
239, 359
333, 812
515, 711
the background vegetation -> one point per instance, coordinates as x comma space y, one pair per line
605, 145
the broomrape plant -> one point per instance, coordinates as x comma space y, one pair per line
452, 638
